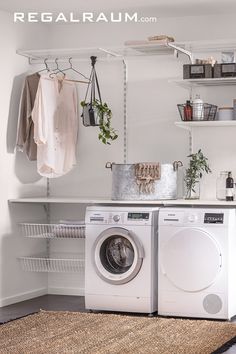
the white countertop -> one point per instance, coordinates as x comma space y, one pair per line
78, 200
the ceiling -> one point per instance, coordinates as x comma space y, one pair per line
159, 8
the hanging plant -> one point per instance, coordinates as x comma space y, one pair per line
96, 112
103, 113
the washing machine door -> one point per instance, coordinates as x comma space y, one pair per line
191, 259
118, 255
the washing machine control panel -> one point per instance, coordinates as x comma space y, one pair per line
130, 217
120, 217
138, 216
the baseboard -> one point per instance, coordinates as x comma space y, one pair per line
22, 297
40, 292
66, 291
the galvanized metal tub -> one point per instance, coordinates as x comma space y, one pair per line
124, 185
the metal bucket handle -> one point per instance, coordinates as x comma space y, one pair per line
177, 164
109, 165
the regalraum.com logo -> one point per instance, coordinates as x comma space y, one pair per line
83, 17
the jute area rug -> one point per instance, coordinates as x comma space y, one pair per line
73, 332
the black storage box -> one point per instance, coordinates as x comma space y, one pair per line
197, 71
225, 70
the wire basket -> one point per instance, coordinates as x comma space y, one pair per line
40, 230
200, 111
56, 263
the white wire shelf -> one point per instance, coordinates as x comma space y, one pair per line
211, 46
55, 263
206, 123
53, 231
146, 49
188, 83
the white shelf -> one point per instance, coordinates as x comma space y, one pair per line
55, 263
53, 231
86, 201
75, 53
62, 200
211, 46
188, 83
201, 202
145, 49
205, 124
176, 202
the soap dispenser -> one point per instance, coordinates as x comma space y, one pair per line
198, 108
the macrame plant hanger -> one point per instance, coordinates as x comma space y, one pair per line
90, 115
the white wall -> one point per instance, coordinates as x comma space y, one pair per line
152, 101
152, 135
18, 176
152, 111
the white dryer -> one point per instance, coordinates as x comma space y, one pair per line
121, 259
197, 263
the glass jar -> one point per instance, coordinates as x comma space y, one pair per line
221, 185
194, 192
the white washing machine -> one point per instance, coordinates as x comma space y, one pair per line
121, 259
197, 263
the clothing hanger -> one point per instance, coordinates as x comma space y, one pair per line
76, 71
46, 66
57, 71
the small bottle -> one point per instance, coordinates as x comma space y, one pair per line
229, 187
198, 108
221, 185
188, 112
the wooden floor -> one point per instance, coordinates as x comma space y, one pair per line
51, 303
46, 302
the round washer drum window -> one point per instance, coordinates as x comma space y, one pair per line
117, 254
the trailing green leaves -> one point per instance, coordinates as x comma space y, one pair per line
107, 134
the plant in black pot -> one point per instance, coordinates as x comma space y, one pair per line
198, 164
96, 112
101, 115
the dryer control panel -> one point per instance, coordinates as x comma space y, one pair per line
207, 217
213, 218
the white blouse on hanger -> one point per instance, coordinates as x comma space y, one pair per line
55, 126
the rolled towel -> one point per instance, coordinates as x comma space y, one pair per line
161, 37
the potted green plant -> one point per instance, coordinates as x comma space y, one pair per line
198, 164
103, 115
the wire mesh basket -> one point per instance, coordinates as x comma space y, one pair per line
40, 230
63, 263
199, 111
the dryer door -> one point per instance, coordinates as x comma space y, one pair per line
117, 255
191, 259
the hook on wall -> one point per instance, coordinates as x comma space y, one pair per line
93, 60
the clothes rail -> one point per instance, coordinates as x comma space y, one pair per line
48, 56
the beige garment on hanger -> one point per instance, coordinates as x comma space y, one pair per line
25, 130
55, 119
